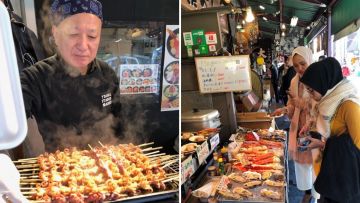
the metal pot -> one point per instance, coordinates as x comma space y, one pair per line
196, 119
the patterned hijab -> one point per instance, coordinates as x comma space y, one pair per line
61, 9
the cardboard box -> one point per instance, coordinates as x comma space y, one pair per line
250, 101
254, 120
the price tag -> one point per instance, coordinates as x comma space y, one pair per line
188, 40
187, 169
210, 38
202, 152
214, 141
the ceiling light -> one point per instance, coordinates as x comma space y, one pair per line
227, 1
283, 26
243, 22
265, 18
283, 34
308, 27
249, 15
118, 40
261, 7
293, 21
322, 5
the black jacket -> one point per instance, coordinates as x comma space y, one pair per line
66, 106
339, 177
286, 80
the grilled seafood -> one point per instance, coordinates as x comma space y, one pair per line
249, 175
252, 184
237, 178
243, 192
229, 195
270, 194
274, 183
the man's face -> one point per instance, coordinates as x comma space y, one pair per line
77, 39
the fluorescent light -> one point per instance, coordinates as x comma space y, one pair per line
243, 22
283, 34
249, 15
283, 26
293, 21
261, 7
118, 40
322, 5
308, 27
265, 18
238, 26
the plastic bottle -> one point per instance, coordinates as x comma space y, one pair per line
224, 154
216, 163
221, 167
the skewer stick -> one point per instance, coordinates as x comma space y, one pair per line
29, 192
33, 169
35, 176
151, 149
154, 152
30, 180
27, 166
170, 179
145, 144
156, 155
27, 188
168, 164
100, 143
25, 161
28, 183
33, 158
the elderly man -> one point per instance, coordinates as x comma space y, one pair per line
73, 96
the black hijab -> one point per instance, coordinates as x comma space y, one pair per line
323, 75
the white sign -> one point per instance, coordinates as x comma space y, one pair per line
187, 169
214, 141
212, 47
223, 73
202, 152
210, 38
188, 40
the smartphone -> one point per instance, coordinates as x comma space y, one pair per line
303, 144
314, 135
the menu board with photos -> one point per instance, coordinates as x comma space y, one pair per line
139, 78
171, 76
223, 73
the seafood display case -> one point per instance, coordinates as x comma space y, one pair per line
258, 172
106, 173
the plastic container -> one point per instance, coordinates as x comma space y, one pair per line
13, 125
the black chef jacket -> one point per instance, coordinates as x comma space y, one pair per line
71, 110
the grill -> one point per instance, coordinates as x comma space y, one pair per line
122, 173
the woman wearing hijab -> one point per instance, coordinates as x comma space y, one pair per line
338, 114
298, 109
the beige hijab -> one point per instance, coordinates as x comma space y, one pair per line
300, 157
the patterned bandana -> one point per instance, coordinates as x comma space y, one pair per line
61, 9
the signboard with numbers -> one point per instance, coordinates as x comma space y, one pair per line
223, 73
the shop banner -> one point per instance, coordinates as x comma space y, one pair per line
170, 84
139, 78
